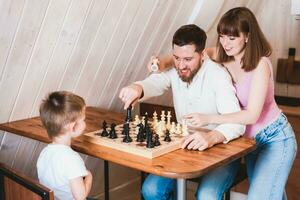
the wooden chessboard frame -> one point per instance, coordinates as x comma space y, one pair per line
132, 147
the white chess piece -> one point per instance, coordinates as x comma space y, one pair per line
178, 129
136, 120
173, 128
137, 130
143, 120
155, 121
163, 116
168, 125
159, 129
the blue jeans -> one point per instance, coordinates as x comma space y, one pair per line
212, 185
269, 165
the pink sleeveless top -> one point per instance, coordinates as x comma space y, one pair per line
270, 111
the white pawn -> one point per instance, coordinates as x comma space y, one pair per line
178, 129
159, 129
173, 128
136, 120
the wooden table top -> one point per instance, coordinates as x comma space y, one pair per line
177, 164
290, 110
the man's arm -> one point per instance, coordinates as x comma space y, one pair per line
154, 85
201, 140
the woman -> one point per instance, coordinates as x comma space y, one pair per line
243, 50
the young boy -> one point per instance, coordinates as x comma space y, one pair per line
59, 167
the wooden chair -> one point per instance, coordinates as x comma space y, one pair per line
150, 108
16, 186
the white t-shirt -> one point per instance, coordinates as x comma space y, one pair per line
56, 166
211, 92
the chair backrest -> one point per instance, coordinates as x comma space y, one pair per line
16, 186
150, 108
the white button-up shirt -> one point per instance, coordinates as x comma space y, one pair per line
210, 92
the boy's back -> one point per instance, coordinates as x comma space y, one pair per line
57, 165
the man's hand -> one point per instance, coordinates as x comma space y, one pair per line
202, 140
197, 119
130, 95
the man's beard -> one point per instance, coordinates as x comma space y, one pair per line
189, 78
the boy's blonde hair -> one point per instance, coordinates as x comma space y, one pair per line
59, 109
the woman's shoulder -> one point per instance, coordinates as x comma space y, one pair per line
264, 66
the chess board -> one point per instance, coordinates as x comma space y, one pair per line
134, 147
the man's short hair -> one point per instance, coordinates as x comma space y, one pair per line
59, 109
188, 35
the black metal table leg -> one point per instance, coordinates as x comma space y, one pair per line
106, 180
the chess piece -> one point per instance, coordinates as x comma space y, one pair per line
168, 125
128, 116
127, 137
143, 120
140, 135
146, 121
156, 140
167, 137
163, 116
112, 132
173, 128
136, 120
104, 131
149, 141
178, 129
155, 120
160, 128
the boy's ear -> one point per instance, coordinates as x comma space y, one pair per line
71, 126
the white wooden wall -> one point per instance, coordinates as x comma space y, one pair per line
95, 47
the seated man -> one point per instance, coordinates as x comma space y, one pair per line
198, 86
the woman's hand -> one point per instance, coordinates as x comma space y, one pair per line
196, 119
160, 63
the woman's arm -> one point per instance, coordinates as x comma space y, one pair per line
256, 100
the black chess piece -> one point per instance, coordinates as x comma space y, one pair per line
149, 140
156, 140
127, 137
140, 135
146, 121
104, 131
112, 132
167, 137
128, 115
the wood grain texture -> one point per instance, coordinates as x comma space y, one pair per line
18, 186
177, 164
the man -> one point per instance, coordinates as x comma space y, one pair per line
198, 86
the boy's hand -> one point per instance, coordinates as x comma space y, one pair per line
130, 95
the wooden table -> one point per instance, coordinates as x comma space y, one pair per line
180, 164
